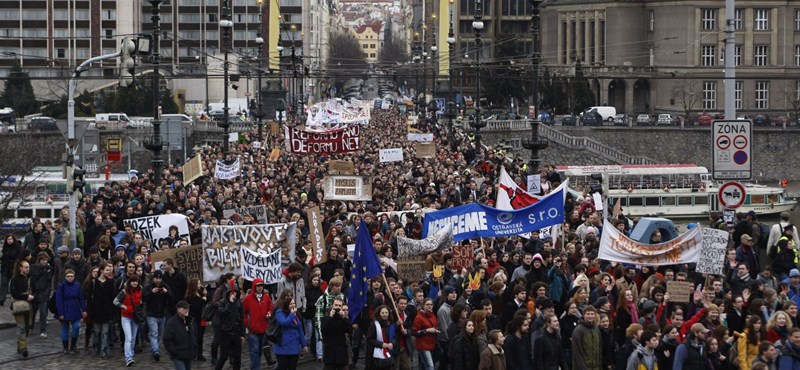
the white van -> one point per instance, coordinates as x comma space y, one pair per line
186, 120
111, 120
606, 112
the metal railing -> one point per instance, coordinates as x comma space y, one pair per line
593, 146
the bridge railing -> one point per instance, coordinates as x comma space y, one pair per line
593, 146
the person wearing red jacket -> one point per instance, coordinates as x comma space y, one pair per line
257, 310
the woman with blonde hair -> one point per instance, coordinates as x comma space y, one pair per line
712, 317
651, 283
583, 281
778, 327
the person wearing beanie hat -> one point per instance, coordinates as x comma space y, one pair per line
78, 264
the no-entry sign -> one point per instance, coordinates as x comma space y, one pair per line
732, 157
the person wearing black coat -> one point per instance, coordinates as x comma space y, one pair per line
19, 288
231, 329
11, 251
548, 353
180, 337
466, 354
517, 345
41, 279
607, 342
335, 328
101, 309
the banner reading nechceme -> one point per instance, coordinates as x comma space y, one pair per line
341, 140
156, 228
225, 171
477, 220
615, 246
222, 247
236, 215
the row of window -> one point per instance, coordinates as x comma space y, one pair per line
761, 100
708, 19
370, 55
688, 200
708, 55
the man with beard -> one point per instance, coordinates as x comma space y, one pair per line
586, 346
517, 344
523, 269
548, 354
628, 282
691, 353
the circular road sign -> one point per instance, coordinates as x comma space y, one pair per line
740, 157
740, 141
723, 142
731, 195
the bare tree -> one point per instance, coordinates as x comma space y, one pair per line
346, 59
791, 96
18, 180
687, 93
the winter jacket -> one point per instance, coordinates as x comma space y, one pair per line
690, 355
100, 301
624, 353
374, 342
548, 352
129, 299
642, 359
41, 281
747, 352
559, 285
297, 287
18, 287
517, 352
609, 347
178, 284
255, 311
293, 340
464, 353
492, 358
9, 257
70, 302
323, 306
335, 350
425, 341
312, 296
180, 338
667, 344
789, 358
230, 318
156, 304
586, 347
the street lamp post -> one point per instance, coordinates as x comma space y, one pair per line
227, 26
477, 25
260, 108
535, 144
155, 143
435, 74
450, 110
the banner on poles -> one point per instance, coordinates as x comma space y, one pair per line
222, 246
615, 246
265, 266
340, 140
156, 228
318, 250
225, 171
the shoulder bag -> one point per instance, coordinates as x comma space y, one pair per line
21, 306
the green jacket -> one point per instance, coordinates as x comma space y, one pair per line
586, 347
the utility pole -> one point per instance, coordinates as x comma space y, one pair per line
535, 144
155, 143
227, 26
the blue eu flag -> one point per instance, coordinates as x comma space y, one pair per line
365, 267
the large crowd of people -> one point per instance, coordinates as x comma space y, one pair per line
526, 303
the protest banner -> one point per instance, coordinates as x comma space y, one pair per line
222, 246
274, 154
434, 243
615, 246
225, 171
156, 228
463, 257
340, 140
411, 268
318, 250
256, 145
712, 251
477, 220
274, 128
188, 260
680, 291
419, 137
236, 215
192, 169
390, 155
425, 150
347, 188
341, 167
265, 266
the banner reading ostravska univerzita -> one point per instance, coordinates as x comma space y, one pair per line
222, 254
477, 220
615, 246
340, 140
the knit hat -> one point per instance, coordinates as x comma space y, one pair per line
599, 302
449, 289
77, 251
62, 249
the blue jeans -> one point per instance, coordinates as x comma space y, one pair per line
182, 364
65, 329
130, 328
425, 360
312, 337
254, 344
101, 334
156, 327
42, 317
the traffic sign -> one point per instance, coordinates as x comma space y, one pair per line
731, 153
731, 195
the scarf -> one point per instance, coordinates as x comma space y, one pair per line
381, 352
634, 313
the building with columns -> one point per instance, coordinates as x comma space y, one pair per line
652, 56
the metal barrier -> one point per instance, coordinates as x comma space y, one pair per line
593, 146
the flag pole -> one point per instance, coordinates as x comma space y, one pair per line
391, 298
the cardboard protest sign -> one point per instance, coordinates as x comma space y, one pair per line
274, 128
712, 252
615, 246
315, 234
347, 188
463, 257
425, 150
391, 155
156, 228
274, 154
680, 291
341, 140
341, 167
225, 171
236, 215
222, 247
411, 268
188, 260
192, 169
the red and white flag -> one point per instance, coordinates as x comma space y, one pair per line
510, 196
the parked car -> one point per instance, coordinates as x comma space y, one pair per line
42, 124
569, 120
644, 120
665, 119
620, 120
591, 119
761, 120
705, 119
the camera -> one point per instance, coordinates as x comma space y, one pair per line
337, 310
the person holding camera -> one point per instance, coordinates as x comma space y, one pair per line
335, 329
426, 331
156, 297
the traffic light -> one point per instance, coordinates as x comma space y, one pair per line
77, 181
127, 62
597, 188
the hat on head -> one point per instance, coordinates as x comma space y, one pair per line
544, 302
699, 328
190, 213
794, 273
537, 256
182, 304
449, 289
119, 247
63, 249
649, 305
591, 230
788, 227
548, 239
751, 214
339, 223
599, 302
785, 215
746, 237
77, 251
158, 274
94, 249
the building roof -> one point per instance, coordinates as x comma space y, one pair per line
376, 27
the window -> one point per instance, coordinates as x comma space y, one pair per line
110, 15
81, 15
109, 33
738, 19
212, 17
700, 199
212, 35
760, 53
652, 20
797, 55
634, 202
709, 56
189, 18
709, 95
737, 94
61, 53
797, 19
685, 201
797, 90
652, 201
709, 19
34, 15
762, 94
668, 201
737, 55
761, 20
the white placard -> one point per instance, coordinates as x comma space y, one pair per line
535, 184
712, 252
156, 228
598, 201
391, 155
227, 171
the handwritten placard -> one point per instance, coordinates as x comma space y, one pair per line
411, 268
680, 291
463, 257
712, 251
318, 250
222, 244
425, 150
188, 260
341, 167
